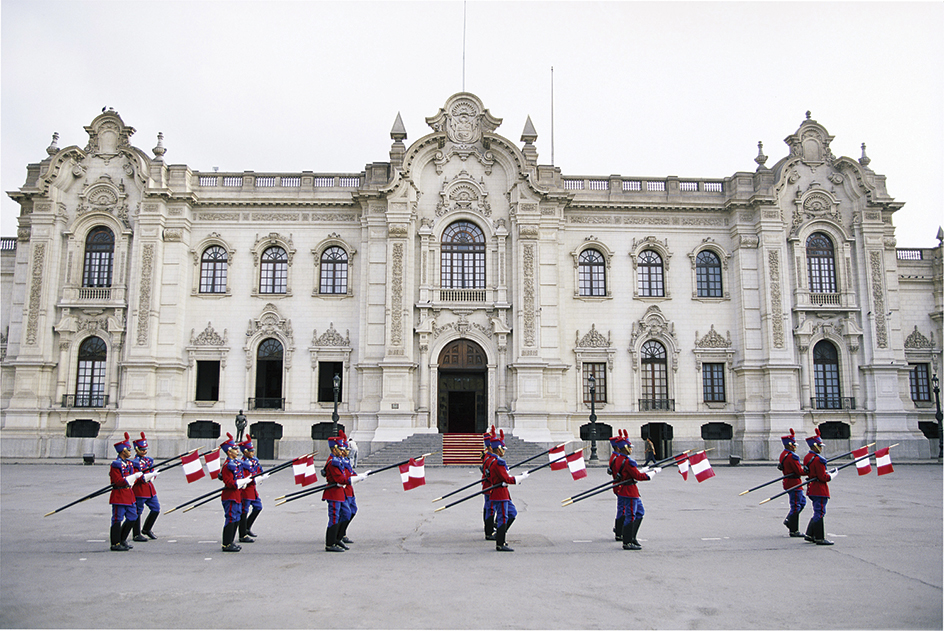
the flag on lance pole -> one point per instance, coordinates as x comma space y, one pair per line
303, 468
192, 468
212, 461
413, 473
883, 461
311, 474
576, 464
701, 467
557, 454
863, 467
682, 462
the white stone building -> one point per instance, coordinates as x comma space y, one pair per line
461, 284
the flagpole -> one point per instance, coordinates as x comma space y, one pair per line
578, 498
787, 476
802, 484
610, 482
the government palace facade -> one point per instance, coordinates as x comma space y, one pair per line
459, 284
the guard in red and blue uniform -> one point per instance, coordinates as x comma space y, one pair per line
628, 502
505, 512
337, 474
124, 511
614, 457
793, 471
818, 490
251, 500
349, 498
488, 512
234, 480
144, 491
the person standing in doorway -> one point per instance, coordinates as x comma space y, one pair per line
650, 453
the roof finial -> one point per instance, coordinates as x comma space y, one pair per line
53, 147
864, 160
159, 150
761, 158
808, 114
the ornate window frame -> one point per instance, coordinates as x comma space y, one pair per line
331, 347
260, 246
214, 238
723, 256
592, 243
333, 240
208, 345
711, 348
593, 348
662, 249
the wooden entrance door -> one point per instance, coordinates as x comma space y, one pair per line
463, 389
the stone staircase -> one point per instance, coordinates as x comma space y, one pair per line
419, 444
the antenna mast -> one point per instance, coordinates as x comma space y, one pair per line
552, 115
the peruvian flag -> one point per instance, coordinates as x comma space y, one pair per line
883, 461
682, 462
701, 467
557, 454
304, 470
212, 461
578, 468
311, 475
192, 468
413, 473
862, 466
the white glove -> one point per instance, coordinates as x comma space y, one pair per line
243, 483
259, 479
521, 477
131, 479
358, 478
833, 473
150, 476
652, 472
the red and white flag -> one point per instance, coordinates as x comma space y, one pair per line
303, 468
701, 467
682, 462
311, 474
213, 464
864, 467
192, 468
557, 454
576, 464
883, 461
413, 473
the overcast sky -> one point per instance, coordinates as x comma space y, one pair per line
639, 89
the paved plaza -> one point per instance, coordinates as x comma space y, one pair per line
710, 559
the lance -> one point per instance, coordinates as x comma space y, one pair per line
212, 495
801, 484
289, 497
848, 453
610, 482
583, 496
509, 468
81, 499
495, 486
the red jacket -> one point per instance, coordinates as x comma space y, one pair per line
819, 477
144, 464
498, 473
624, 468
336, 473
487, 460
231, 472
121, 493
790, 463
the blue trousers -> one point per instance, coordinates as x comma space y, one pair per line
629, 508
504, 510
123, 512
797, 502
819, 507
232, 511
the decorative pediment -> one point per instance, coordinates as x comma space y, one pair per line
712, 340
653, 324
593, 339
331, 338
463, 193
208, 337
108, 134
105, 196
917, 341
815, 203
463, 119
270, 322
810, 143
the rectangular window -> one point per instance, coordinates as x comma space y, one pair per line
713, 382
599, 376
208, 381
326, 373
920, 386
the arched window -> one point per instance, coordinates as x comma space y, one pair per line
213, 268
655, 380
463, 256
273, 277
821, 264
99, 257
591, 269
269, 375
649, 274
826, 376
708, 275
334, 271
90, 377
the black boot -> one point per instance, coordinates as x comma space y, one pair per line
242, 531
820, 534
116, 545
252, 518
331, 538
500, 544
636, 524
810, 529
618, 528
342, 531
628, 544
136, 530
229, 533
149, 524
490, 528
794, 525
125, 531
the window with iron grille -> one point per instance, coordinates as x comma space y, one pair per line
463, 256
90, 376
821, 264
213, 269
826, 376
650, 275
598, 370
334, 271
655, 381
591, 273
920, 384
99, 257
708, 275
712, 376
273, 278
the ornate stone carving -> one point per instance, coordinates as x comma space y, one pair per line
464, 193
396, 292
36, 293
527, 306
331, 337
208, 337
144, 305
712, 339
878, 299
916, 340
776, 300
593, 339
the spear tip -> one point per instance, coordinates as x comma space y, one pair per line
439, 509
566, 503
49, 513
766, 500
437, 499
743, 493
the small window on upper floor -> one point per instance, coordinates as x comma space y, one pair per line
650, 275
591, 273
99, 257
213, 268
334, 271
821, 264
273, 276
708, 275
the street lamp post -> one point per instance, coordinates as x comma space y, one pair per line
334, 415
939, 416
593, 418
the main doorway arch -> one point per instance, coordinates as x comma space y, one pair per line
462, 389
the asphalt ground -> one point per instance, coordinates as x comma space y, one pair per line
711, 559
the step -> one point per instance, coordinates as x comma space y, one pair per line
462, 449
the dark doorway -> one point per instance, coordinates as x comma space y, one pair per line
269, 376
463, 389
264, 434
661, 436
